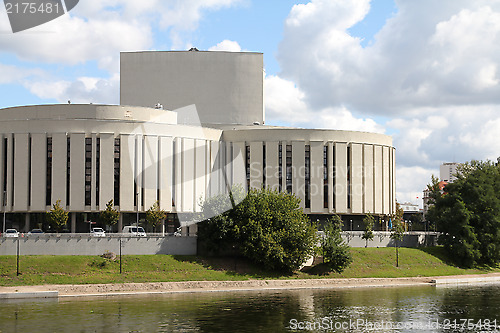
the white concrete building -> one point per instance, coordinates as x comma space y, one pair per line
86, 155
448, 171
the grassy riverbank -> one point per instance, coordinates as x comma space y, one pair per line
370, 262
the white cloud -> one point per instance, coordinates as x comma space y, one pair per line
226, 45
447, 55
14, 74
411, 182
433, 69
81, 90
99, 29
285, 103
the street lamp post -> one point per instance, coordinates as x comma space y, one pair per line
351, 225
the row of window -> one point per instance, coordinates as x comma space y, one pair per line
289, 171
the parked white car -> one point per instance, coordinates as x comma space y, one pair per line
134, 231
98, 232
11, 233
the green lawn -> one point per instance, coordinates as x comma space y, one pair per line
370, 262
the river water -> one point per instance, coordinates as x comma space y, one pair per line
394, 309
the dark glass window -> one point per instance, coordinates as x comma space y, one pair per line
116, 198
325, 177
97, 169
264, 165
280, 166
68, 168
247, 165
289, 168
349, 177
48, 191
88, 171
307, 173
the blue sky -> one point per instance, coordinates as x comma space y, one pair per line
424, 72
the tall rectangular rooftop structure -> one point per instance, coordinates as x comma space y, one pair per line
226, 87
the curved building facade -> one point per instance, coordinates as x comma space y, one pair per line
87, 155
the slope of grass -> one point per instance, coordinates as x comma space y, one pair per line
381, 262
370, 262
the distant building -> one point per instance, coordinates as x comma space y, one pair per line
447, 172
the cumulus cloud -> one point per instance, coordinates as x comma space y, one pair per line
421, 57
81, 90
14, 74
98, 30
286, 104
226, 45
432, 69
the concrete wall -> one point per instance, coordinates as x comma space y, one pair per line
226, 87
383, 239
86, 245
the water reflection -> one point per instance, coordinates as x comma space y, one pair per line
343, 310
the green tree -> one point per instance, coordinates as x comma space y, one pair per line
467, 213
217, 234
155, 215
397, 234
57, 217
267, 227
336, 252
369, 222
110, 215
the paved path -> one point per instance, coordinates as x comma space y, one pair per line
213, 286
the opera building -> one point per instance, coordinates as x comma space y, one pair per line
191, 124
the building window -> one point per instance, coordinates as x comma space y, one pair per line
13, 167
247, 165
289, 168
48, 191
4, 176
117, 172
349, 177
29, 171
280, 166
264, 166
174, 161
88, 171
307, 174
334, 176
325, 176
97, 169
68, 168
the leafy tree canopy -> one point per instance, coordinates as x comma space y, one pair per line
110, 215
336, 252
369, 222
467, 213
57, 217
267, 227
155, 214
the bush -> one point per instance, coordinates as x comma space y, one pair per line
267, 227
336, 252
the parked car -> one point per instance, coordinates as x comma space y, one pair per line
134, 231
36, 231
98, 232
11, 233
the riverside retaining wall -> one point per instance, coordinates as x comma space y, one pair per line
85, 244
88, 245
